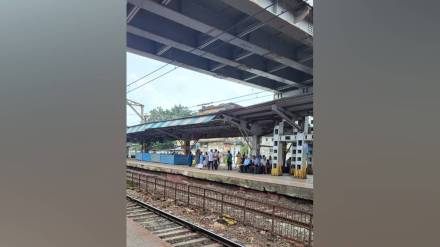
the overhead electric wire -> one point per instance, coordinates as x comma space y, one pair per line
131, 83
258, 97
217, 101
263, 96
209, 40
131, 90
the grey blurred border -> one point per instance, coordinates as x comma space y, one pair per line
62, 111
62, 130
377, 123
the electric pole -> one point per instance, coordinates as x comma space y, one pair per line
133, 104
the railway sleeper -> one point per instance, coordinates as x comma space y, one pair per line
140, 210
154, 222
171, 233
192, 242
139, 215
145, 218
167, 229
181, 237
162, 226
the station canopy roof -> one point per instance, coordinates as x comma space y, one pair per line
171, 123
242, 121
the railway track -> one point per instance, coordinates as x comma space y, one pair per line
171, 229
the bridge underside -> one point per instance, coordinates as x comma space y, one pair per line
262, 43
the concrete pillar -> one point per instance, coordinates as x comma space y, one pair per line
278, 150
187, 147
143, 147
256, 140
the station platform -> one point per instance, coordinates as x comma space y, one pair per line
138, 236
283, 185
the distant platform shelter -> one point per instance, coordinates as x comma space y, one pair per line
255, 120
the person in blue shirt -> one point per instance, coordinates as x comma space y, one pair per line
246, 163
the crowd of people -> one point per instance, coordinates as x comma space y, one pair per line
256, 164
211, 160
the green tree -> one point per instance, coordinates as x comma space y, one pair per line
244, 149
160, 114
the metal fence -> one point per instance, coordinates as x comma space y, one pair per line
292, 224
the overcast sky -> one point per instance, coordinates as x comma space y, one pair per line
181, 86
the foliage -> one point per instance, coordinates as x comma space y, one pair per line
160, 114
244, 149
162, 145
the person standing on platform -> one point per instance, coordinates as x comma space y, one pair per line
253, 164
214, 165
288, 165
246, 164
205, 159
237, 158
210, 160
197, 156
200, 163
269, 165
191, 157
229, 160
258, 164
263, 164
217, 159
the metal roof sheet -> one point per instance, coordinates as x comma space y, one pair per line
170, 123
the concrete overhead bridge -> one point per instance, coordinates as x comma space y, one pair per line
266, 44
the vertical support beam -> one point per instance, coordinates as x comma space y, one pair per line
144, 147
300, 149
256, 140
187, 147
278, 149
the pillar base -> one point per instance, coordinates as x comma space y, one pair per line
277, 171
300, 173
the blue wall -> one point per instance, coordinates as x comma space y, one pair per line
173, 159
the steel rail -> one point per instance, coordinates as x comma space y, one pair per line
196, 228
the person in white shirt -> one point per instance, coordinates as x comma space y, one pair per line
205, 159
210, 159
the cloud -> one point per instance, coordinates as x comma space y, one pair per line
181, 86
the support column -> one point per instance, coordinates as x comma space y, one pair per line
144, 147
256, 140
300, 150
278, 150
187, 146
